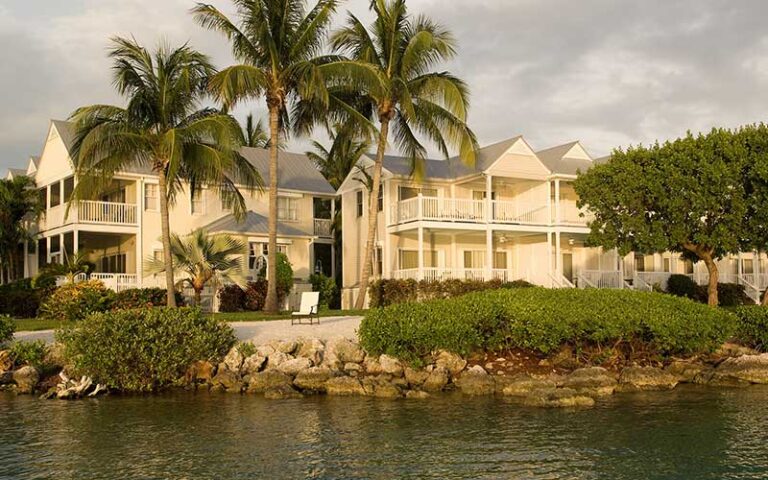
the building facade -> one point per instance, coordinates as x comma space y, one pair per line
511, 216
121, 228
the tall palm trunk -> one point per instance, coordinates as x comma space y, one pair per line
166, 238
270, 304
373, 214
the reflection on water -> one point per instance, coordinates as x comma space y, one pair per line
691, 433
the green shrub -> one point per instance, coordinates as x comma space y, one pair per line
29, 353
543, 320
143, 297
329, 291
683, 286
231, 298
75, 301
7, 328
729, 295
752, 328
234, 299
390, 292
20, 299
144, 349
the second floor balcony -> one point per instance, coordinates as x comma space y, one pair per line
462, 210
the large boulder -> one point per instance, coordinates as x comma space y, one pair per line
416, 377
452, 362
253, 364
6, 362
344, 386
522, 385
476, 381
416, 394
54, 355
282, 392
391, 366
234, 359
558, 398
311, 348
227, 380
339, 351
633, 379
294, 366
287, 347
372, 365
269, 379
313, 379
747, 368
383, 386
277, 358
686, 372
437, 380
591, 381
26, 379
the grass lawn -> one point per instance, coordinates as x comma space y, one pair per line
35, 324
264, 317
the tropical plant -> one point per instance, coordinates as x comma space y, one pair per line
19, 206
336, 162
163, 128
74, 301
687, 196
388, 76
277, 42
200, 258
7, 328
73, 266
256, 135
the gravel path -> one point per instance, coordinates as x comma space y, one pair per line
261, 332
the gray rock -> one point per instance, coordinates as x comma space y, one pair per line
26, 379
633, 379
234, 359
473, 382
477, 369
452, 362
416, 394
342, 350
383, 386
265, 350
437, 380
227, 380
253, 364
287, 347
747, 368
263, 381
313, 379
591, 381
416, 377
344, 386
282, 392
311, 348
275, 359
558, 398
522, 385
391, 366
353, 369
685, 372
372, 365
294, 366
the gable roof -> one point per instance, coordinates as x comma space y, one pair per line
253, 223
295, 171
558, 161
66, 133
16, 172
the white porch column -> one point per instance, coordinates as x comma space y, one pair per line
26, 259
552, 275
421, 250
140, 234
558, 255
75, 241
739, 268
620, 259
557, 202
420, 207
549, 206
489, 198
454, 257
488, 254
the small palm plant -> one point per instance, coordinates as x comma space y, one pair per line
200, 258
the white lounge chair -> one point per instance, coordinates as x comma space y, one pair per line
310, 302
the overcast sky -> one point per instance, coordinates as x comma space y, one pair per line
606, 72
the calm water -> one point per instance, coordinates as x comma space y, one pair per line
692, 433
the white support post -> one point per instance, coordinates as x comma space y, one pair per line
489, 198
620, 259
549, 260
26, 259
557, 202
454, 256
76, 241
739, 268
558, 256
420, 207
549, 204
421, 250
488, 254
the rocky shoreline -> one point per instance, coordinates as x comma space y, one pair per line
340, 367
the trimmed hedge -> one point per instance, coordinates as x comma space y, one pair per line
728, 294
543, 320
752, 327
144, 349
390, 292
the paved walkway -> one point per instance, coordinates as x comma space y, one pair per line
261, 332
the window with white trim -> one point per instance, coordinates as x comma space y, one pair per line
287, 209
474, 258
259, 249
198, 202
409, 259
151, 197
500, 260
405, 193
360, 203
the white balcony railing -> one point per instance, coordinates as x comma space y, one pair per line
570, 214
520, 213
440, 274
323, 227
114, 281
600, 279
106, 212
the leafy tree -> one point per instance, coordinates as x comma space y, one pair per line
19, 206
388, 77
256, 135
684, 196
200, 258
164, 128
277, 43
336, 162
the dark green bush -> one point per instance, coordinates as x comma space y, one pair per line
20, 299
329, 291
29, 353
683, 286
231, 298
75, 301
234, 299
752, 329
144, 349
7, 328
543, 320
390, 292
728, 295
143, 297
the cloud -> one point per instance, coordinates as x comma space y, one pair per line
607, 72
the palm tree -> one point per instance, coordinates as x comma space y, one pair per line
391, 66
336, 162
19, 206
277, 43
256, 135
199, 258
162, 128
